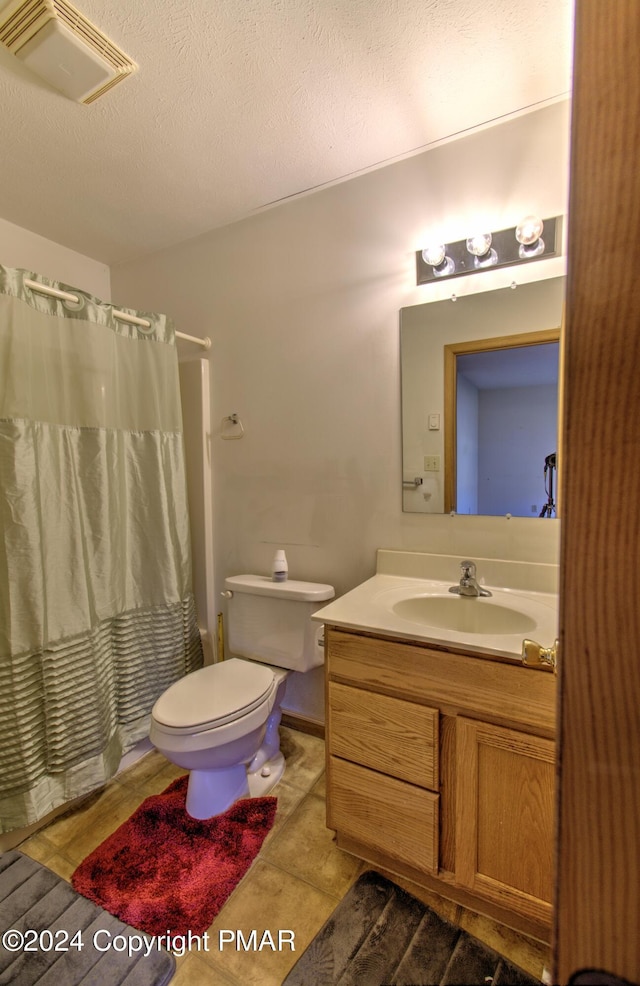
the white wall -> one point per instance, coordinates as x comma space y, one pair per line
301, 302
21, 248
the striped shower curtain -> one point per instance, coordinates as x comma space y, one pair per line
97, 615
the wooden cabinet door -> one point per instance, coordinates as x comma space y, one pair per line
504, 816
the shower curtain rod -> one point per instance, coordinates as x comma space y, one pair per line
121, 316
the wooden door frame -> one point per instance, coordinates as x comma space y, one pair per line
597, 898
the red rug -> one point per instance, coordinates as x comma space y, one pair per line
165, 871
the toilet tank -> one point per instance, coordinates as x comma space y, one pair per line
270, 622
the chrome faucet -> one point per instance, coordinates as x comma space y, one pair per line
468, 585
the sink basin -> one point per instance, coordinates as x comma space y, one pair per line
423, 609
463, 614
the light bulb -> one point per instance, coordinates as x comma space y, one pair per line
529, 230
528, 252
480, 244
490, 259
445, 268
434, 254
528, 235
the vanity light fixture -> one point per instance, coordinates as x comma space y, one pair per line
487, 251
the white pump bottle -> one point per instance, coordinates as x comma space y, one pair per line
279, 568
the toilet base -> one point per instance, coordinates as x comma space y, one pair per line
210, 792
259, 783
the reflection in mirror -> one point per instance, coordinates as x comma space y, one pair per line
426, 331
501, 425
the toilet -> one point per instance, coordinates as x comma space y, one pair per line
221, 722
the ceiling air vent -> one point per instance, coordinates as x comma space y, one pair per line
61, 46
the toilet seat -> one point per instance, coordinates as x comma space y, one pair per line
213, 696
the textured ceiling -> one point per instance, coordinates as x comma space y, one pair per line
240, 103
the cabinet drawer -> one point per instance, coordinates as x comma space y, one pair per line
390, 816
507, 694
387, 734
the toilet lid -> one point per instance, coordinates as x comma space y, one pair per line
214, 695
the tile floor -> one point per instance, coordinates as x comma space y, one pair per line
295, 883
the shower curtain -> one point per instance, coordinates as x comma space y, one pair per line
97, 616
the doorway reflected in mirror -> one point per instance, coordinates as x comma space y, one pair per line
501, 426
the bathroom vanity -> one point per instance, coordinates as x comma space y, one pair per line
440, 753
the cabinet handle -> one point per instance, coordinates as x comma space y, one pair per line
534, 655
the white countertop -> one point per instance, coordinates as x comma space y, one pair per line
373, 607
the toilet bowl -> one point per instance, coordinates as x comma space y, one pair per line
221, 722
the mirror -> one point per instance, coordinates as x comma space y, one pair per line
501, 353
